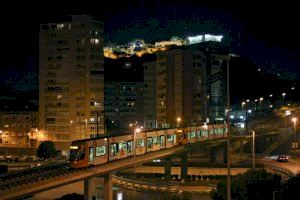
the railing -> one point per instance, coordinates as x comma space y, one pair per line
281, 170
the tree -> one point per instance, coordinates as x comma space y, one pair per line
252, 185
290, 188
46, 150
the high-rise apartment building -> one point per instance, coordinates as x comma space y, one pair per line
163, 90
185, 86
123, 104
71, 80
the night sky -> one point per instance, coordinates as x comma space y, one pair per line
267, 33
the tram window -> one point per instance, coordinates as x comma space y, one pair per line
140, 143
188, 135
114, 149
155, 140
162, 140
149, 142
91, 156
194, 134
171, 138
122, 146
81, 154
129, 146
100, 150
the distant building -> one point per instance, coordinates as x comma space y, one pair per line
71, 80
123, 104
16, 121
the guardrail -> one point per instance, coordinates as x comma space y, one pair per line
281, 170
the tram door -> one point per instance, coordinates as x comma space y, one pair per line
91, 154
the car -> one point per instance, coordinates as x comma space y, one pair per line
282, 158
35, 165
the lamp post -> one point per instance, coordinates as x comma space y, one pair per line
228, 187
283, 94
294, 119
261, 117
137, 130
86, 131
255, 104
253, 149
70, 133
178, 121
246, 120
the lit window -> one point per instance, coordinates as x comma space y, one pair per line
100, 151
94, 41
60, 26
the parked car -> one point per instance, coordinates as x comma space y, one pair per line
32, 158
35, 165
23, 158
282, 158
2, 158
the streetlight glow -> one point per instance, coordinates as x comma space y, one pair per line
178, 121
294, 119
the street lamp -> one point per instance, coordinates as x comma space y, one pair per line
253, 149
283, 94
70, 133
137, 130
178, 121
261, 117
228, 186
243, 103
255, 104
86, 131
246, 120
294, 119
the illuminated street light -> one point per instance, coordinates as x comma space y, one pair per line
137, 130
86, 130
243, 104
294, 119
283, 94
253, 149
178, 121
260, 100
248, 100
71, 122
271, 95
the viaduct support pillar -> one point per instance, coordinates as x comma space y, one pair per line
184, 166
88, 188
108, 190
212, 154
224, 153
168, 165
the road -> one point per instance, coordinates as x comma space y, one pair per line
292, 165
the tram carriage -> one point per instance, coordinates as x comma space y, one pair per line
155, 140
140, 143
171, 139
111, 147
88, 152
120, 147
